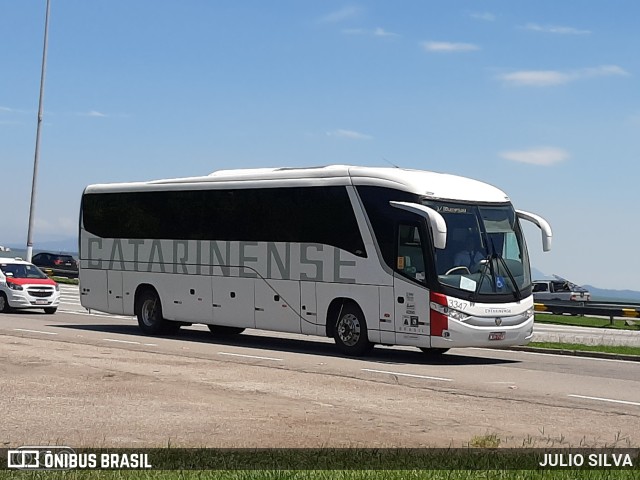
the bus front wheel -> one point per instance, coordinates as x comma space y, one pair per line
350, 332
149, 313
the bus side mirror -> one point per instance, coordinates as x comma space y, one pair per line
436, 221
542, 224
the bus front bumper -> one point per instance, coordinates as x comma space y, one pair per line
460, 334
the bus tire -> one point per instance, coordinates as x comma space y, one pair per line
149, 313
225, 330
350, 331
433, 352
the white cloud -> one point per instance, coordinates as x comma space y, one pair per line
547, 78
555, 29
12, 110
535, 78
93, 113
350, 134
544, 156
355, 31
341, 15
449, 47
381, 32
486, 16
378, 32
603, 71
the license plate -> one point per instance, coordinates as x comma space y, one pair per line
41, 302
496, 336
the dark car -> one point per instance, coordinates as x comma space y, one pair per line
60, 264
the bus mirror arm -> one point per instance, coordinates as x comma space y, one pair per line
435, 220
544, 226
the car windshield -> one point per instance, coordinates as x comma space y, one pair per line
485, 254
20, 270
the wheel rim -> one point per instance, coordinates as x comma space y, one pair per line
349, 329
149, 312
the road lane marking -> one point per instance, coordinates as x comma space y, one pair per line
426, 377
251, 356
574, 357
33, 331
93, 314
120, 341
625, 402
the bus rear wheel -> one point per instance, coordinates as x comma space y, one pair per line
149, 313
350, 332
225, 330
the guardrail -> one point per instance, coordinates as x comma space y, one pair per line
605, 309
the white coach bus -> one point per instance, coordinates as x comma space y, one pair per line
364, 255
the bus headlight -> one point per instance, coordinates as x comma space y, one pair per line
449, 312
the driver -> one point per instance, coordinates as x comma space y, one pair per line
469, 256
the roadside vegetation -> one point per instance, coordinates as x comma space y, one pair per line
611, 349
558, 474
65, 280
595, 322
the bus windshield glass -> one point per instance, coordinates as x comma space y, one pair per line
485, 254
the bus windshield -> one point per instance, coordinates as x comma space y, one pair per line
485, 254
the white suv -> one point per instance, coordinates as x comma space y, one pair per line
23, 285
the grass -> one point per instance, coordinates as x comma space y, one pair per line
560, 474
485, 441
618, 323
68, 281
613, 349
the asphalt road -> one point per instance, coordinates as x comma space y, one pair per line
94, 380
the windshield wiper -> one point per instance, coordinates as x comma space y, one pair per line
516, 290
487, 261
517, 293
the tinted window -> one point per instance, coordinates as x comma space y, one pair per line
539, 287
383, 216
410, 259
311, 215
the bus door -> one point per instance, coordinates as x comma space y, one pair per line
410, 293
308, 307
387, 309
233, 301
93, 284
277, 305
114, 288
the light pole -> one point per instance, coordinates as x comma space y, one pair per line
37, 152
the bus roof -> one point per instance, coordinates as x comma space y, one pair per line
431, 184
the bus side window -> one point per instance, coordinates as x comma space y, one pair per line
410, 258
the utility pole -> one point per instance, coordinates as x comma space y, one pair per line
37, 152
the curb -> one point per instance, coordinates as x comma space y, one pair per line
578, 353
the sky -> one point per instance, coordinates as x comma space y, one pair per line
540, 98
